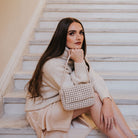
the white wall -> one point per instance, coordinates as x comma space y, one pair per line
14, 17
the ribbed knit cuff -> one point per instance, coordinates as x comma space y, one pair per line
81, 70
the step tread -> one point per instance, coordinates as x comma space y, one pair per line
94, 10
44, 19
93, 57
18, 125
120, 98
44, 42
93, 2
106, 75
96, 30
89, 16
90, 8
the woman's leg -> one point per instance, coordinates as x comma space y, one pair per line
78, 112
95, 110
121, 122
95, 113
121, 130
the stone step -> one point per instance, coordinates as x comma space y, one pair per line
94, 57
116, 27
89, 16
116, 81
44, 42
17, 127
14, 102
96, 37
96, 18
99, 62
129, 50
130, 2
38, 48
98, 29
91, 8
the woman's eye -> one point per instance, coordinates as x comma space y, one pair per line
71, 33
82, 32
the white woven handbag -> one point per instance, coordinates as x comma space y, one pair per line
78, 96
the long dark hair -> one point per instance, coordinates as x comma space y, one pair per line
55, 48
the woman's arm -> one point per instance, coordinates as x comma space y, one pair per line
99, 85
53, 73
106, 115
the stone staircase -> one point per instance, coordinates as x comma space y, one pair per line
112, 38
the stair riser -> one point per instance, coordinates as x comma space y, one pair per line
97, 37
1, 107
102, 136
95, 1
97, 66
34, 136
19, 109
18, 136
133, 50
14, 108
123, 26
91, 8
60, 15
113, 85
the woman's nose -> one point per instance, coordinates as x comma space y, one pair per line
78, 37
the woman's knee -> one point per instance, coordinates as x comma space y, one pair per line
78, 112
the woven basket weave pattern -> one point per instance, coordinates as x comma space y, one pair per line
76, 97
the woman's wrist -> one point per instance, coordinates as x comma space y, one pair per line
107, 99
79, 61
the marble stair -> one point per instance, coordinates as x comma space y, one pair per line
112, 39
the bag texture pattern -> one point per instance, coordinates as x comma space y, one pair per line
77, 97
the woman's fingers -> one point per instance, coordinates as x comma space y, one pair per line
108, 123
114, 121
77, 55
105, 123
107, 120
101, 118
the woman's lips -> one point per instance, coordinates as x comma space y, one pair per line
78, 43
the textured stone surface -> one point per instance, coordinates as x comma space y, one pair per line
11, 125
1, 106
91, 8
95, 1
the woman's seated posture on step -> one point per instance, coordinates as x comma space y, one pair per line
44, 109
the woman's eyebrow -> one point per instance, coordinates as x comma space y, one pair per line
72, 31
75, 30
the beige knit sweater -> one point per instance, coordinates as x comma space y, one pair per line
52, 77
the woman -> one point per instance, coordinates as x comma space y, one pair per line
44, 109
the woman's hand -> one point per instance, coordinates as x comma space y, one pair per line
107, 116
77, 55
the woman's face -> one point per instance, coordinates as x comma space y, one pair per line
75, 36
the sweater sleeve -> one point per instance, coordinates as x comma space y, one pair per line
99, 85
53, 73
80, 74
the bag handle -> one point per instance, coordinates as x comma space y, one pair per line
63, 77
